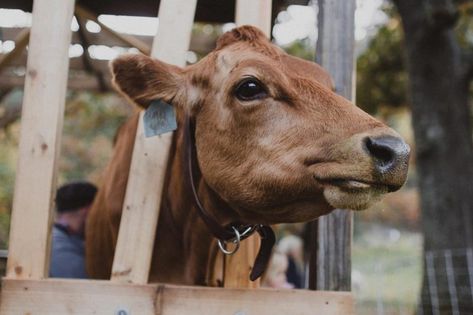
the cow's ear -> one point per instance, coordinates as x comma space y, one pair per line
143, 79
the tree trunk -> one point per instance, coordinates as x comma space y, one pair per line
439, 97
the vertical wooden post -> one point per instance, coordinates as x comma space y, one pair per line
41, 127
238, 266
143, 197
254, 12
335, 52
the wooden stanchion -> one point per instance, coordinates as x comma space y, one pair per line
41, 127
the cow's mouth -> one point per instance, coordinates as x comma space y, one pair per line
351, 184
351, 193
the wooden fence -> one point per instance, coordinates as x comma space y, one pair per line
26, 289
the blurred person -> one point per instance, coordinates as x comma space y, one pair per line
73, 201
275, 275
292, 247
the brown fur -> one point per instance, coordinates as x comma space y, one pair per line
262, 161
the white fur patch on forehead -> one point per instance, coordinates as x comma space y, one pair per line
224, 63
230, 60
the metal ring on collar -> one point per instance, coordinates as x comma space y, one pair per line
223, 244
246, 233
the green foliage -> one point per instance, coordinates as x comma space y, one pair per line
464, 27
381, 74
381, 71
8, 156
90, 124
4, 228
301, 49
6, 175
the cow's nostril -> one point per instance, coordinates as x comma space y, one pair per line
380, 150
387, 151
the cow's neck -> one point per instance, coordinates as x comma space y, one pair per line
185, 250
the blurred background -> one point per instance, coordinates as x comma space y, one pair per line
404, 260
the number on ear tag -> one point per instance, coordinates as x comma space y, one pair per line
159, 118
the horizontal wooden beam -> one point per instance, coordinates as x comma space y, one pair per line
208, 11
128, 40
75, 63
200, 43
80, 83
59, 296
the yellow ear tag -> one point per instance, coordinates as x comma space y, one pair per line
159, 118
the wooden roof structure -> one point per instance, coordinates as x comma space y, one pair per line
92, 74
209, 11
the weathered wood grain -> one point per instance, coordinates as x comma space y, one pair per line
67, 297
79, 82
335, 52
150, 155
254, 12
41, 127
200, 42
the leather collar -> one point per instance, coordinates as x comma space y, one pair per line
229, 232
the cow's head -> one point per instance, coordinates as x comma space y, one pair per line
273, 139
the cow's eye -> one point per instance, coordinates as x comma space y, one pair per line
249, 90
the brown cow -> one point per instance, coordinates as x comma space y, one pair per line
274, 144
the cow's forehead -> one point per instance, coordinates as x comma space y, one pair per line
232, 58
219, 64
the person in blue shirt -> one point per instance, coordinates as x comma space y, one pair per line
73, 201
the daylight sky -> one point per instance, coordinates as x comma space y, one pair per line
297, 22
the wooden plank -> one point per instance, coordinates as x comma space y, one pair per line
81, 297
200, 43
176, 19
238, 265
86, 59
83, 82
75, 63
335, 52
213, 301
131, 41
20, 44
41, 127
56, 296
136, 237
254, 12
150, 156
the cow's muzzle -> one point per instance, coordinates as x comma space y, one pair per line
390, 156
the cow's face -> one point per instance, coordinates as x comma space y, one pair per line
273, 139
